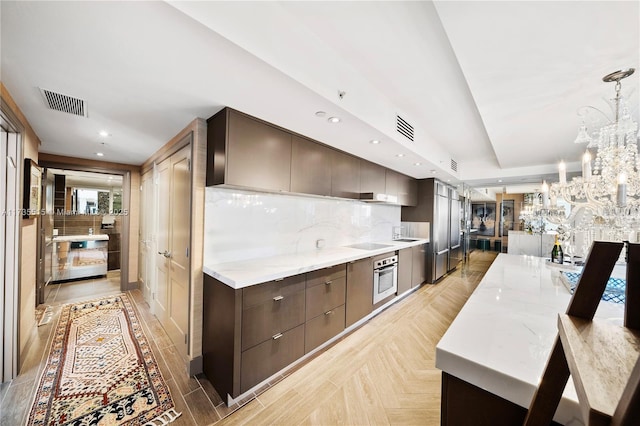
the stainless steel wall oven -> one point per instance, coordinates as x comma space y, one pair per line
385, 278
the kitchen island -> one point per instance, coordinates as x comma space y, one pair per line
494, 353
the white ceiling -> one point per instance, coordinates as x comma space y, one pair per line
493, 85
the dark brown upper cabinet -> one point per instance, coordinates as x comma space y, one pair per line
345, 175
246, 152
243, 151
407, 191
310, 167
372, 177
392, 183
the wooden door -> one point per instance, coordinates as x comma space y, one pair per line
171, 301
145, 271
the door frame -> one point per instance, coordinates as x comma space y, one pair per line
126, 206
10, 291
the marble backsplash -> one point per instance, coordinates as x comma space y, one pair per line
243, 225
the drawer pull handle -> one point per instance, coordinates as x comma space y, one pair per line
278, 298
328, 312
328, 282
277, 336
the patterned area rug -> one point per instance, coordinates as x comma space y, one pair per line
100, 370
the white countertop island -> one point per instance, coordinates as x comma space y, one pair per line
501, 339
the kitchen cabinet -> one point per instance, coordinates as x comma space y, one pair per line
326, 294
419, 265
392, 183
405, 269
372, 177
270, 309
323, 327
243, 151
271, 356
359, 290
345, 175
407, 190
325, 290
310, 167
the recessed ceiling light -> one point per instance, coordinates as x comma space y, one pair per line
100, 154
103, 133
334, 120
400, 155
417, 164
320, 113
433, 172
448, 180
499, 180
375, 141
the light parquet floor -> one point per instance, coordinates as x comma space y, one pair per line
382, 373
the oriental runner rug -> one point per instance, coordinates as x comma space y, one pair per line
100, 370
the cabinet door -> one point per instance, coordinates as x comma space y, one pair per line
269, 357
359, 290
323, 327
392, 183
310, 167
258, 155
345, 175
322, 298
262, 322
405, 269
372, 177
419, 273
407, 191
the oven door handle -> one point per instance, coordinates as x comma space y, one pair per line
386, 268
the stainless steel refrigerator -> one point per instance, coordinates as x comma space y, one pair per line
439, 205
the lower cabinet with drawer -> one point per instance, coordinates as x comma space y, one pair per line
271, 356
323, 327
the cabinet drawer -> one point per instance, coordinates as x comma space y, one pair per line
269, 357
321, 298
260, 293
261, 322
323, 327
324, 275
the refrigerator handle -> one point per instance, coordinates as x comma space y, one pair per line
442, 251
455, 247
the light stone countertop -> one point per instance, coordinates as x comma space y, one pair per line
255, 271
501, 339
92, 237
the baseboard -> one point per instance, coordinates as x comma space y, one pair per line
195, 366
132, 286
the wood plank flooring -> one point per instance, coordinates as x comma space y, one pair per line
382, 373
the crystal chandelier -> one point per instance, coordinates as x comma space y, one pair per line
609, 188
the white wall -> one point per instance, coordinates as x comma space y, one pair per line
246, 225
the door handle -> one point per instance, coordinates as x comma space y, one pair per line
166, 254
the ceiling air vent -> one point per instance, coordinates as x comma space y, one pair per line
454, 165
404, 128
64, 103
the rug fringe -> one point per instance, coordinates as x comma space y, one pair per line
165, 418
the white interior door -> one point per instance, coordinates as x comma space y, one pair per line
161, 293
145, 270
173, 236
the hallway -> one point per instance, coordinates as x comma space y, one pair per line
382, 373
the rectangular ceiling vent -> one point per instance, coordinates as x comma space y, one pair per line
64, 103
404, 128
454, 165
